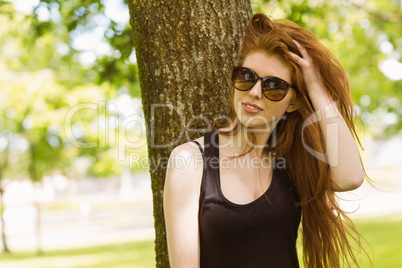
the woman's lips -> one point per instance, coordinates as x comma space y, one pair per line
255, 108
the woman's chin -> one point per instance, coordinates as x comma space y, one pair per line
254, 124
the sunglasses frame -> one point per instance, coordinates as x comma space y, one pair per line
263, 79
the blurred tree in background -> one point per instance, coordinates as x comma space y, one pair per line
61, 57
58, 109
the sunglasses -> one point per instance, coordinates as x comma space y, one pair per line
273, 88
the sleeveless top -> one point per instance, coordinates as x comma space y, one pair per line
261, 233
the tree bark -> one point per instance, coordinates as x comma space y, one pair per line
185, 51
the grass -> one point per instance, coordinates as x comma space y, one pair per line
135, 254
384, 235
382, 240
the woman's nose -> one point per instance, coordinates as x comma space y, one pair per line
256, 91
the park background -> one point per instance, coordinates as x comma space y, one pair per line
74, 173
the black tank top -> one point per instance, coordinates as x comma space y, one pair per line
258, 234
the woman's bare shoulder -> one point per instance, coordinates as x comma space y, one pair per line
189, 147
185, 165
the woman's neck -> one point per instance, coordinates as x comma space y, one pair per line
241, 140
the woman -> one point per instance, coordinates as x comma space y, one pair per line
288, 147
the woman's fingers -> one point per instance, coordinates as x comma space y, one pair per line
302, 50
311, 75
297, 58
305, 60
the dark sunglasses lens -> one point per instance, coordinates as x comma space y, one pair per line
243, 79
275, 88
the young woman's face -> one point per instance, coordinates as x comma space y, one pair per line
267, 112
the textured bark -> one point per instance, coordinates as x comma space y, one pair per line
185, 51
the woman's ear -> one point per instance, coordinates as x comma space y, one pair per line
294, 104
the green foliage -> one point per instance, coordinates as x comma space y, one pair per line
52, 37
43, 78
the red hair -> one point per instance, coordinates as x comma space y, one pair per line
326, 228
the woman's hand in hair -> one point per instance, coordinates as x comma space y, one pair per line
311, 76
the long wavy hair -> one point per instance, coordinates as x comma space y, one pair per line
326, 229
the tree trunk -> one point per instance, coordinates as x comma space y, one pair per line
3, 166
3, 230
38, 229
35, 178
185, 51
